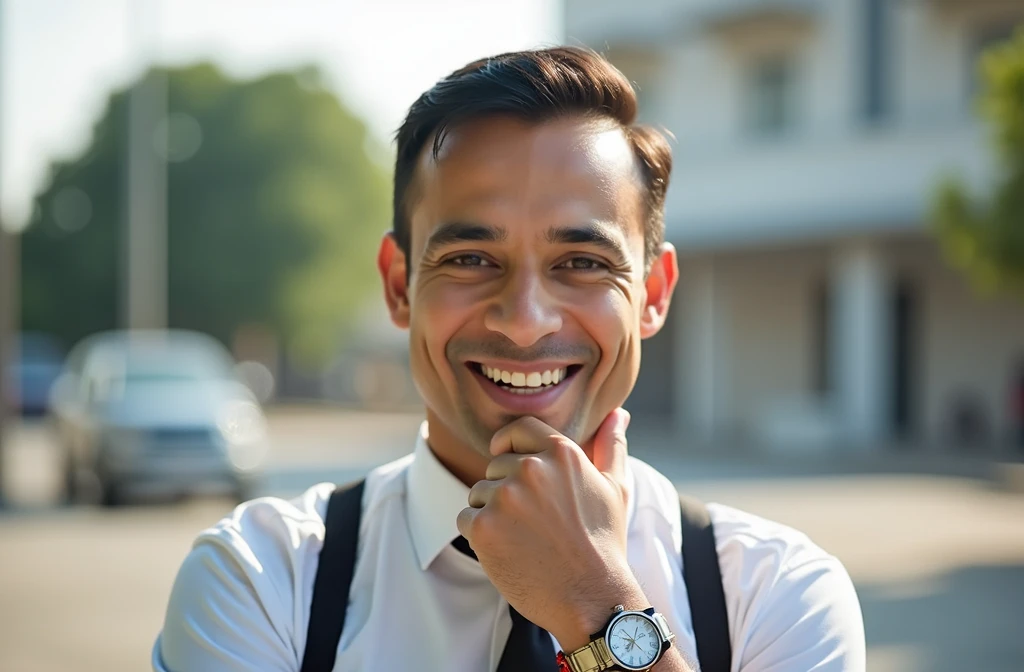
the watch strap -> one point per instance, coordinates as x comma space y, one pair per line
592, 657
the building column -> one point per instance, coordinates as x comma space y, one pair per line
701, 373
860, 347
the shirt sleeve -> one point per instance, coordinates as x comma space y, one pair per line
217, 619
810, 621
241, 598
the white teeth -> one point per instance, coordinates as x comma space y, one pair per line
523, 381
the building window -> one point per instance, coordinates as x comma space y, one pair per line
770, 103
875, 61
821, 339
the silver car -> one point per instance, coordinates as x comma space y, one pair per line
156, 413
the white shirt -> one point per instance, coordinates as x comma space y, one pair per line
242, 597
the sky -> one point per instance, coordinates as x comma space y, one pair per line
59, 59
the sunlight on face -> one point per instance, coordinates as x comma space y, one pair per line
526, 277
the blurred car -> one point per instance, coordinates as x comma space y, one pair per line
161, 413
32, 372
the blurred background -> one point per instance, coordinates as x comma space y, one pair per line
191, 197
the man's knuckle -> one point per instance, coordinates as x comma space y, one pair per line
565, 451
507, 497
531, 468
482, 528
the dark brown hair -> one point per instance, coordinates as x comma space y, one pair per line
536, 86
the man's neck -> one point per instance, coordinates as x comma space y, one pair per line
460, 459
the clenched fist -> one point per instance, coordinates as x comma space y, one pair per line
549, 526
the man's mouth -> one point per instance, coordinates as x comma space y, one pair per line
526, 381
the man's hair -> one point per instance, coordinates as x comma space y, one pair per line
535, 86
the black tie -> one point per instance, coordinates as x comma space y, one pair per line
529, 647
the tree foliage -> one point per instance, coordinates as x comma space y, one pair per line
274, 204
985, 237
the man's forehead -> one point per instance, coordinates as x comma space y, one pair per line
568, 147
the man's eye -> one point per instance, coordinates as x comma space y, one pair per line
469, 260
583, 264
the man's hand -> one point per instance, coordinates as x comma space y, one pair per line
549, 526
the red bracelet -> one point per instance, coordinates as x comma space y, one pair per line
563, 664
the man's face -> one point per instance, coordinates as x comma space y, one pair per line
527, 293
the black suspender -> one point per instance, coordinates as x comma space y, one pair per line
333, 578
703, 579
338, 558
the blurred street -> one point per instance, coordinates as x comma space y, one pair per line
193, 202
938, 556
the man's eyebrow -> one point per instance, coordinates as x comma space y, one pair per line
460, 232
587, 234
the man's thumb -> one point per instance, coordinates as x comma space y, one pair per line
610, 444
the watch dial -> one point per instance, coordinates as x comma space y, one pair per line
634, 641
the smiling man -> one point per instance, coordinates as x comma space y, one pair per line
527, 263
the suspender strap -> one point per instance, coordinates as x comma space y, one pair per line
333, 578
704, 586
338, 559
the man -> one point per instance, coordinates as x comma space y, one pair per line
527, 262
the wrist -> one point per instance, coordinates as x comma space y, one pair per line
595, 608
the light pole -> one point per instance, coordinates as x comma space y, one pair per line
9, 272
9, 276
144, 277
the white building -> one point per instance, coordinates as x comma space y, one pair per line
815, 308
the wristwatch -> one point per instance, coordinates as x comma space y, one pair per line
632, 640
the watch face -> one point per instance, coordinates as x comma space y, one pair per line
634, 641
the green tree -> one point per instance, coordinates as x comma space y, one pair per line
275, 207
985, 237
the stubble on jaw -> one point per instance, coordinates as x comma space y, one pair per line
479, 435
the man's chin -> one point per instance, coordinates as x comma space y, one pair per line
488, 426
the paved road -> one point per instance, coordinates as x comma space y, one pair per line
938, 559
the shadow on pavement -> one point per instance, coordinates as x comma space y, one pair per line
681, 463
969, 619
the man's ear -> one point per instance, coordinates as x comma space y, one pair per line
391, 263
660, 283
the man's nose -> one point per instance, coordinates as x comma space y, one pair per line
523, 311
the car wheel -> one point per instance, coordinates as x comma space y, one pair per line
242, 494
111, 495
245, 489
72, 485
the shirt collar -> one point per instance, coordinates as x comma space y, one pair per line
435, 498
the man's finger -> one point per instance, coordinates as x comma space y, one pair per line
610, 446
464, 521
503, 466
523, 436
481, 493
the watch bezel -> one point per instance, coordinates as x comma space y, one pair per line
618, 661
